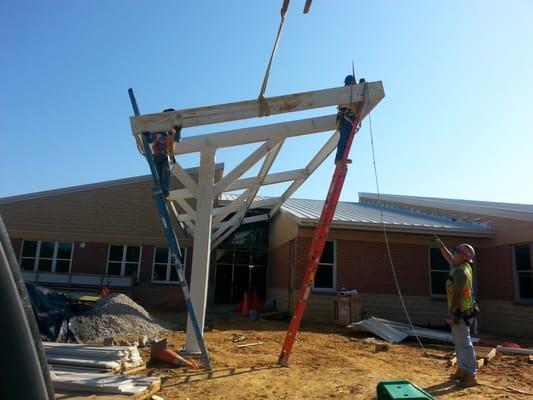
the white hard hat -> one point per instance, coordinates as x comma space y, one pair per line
467, 250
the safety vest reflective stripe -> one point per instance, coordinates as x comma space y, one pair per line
169, 144
466, 301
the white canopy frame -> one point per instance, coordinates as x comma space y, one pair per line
211, 225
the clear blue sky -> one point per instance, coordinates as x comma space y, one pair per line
455, 122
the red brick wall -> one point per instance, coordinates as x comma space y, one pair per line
365, 266
495, 273
280, 264
89, 260
159, 296
147, 259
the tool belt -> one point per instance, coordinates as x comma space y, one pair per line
469, 316
346, 113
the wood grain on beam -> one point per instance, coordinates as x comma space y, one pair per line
158, 122
237, 137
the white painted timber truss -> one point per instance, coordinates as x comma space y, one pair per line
211, 225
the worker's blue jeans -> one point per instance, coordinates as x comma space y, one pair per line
162, 167
464, 350
345, 128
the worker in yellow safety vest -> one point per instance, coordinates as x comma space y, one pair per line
461, 309
162, 144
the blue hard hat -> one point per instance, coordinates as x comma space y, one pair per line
349, 80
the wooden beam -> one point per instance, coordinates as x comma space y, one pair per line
246, 183
160, 122
270, 179
222, 212
318, 159
187, 208
184, 177
201, 246
255, 218
237, 137
246, 164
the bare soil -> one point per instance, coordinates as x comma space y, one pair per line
327, 362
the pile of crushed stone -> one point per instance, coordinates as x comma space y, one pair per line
116, 315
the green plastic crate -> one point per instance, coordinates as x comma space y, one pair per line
393, 390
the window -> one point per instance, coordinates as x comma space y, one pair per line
124, 260
163, 270
43, 256
325, 274
523, 272
439, 269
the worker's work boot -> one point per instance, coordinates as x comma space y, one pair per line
459, 374
468, 381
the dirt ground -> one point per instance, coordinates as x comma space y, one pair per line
327, 362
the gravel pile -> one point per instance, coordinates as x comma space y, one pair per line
117, 315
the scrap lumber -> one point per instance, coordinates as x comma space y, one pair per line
249, 344
485, 353
91, 358
104, 383
512, 350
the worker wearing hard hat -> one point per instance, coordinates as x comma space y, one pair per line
162, 144
345, 119
462, 310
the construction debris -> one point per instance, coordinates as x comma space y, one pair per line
395, 332
485, 353
116, 315
512, 350
140, 386
250, 344
237, 337
87, 358
381, 347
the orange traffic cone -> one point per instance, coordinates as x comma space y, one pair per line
256, 303
245, 306
158, 353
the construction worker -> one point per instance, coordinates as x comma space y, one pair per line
163, 153
461, 309
345, 119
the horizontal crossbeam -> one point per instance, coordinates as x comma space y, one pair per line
160, 122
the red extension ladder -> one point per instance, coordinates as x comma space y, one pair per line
319, 238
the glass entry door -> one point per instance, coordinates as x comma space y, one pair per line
241, 264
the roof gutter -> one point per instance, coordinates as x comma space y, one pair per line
370, 226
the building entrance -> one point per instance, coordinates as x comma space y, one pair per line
242, 264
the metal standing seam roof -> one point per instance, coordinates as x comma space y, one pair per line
358, 214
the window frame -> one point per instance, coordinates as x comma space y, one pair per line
123, 261
38, 257
431, 294
334, 271
169, 265
516, 290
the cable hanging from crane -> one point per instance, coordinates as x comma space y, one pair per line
385, 233
283, 12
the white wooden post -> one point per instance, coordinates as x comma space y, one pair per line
202, 245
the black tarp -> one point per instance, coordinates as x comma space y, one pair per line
53, 312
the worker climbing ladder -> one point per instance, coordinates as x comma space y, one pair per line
321, 234
170, 234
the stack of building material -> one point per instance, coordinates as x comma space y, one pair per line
141, 387
93, 359
395, 332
